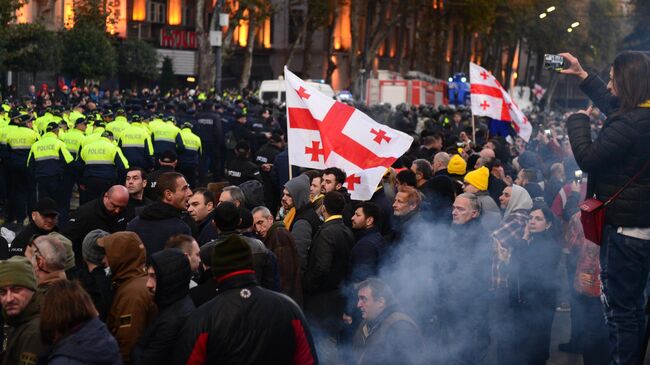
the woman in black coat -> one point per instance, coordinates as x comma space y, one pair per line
538, 285
619, 153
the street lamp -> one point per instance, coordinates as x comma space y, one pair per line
550, 9
542, 15
575, 24
569, 30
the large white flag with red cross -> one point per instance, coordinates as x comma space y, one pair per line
489, 99
323, 133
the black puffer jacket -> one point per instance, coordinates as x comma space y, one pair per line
246, 324
156, 224
619, 152
173, 275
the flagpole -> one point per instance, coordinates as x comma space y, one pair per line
287, 110
474, 128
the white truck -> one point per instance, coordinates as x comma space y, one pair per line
275, 89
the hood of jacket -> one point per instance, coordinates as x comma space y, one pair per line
519, 199
298, 188
173, 274
158, 211
99, 346
126, 256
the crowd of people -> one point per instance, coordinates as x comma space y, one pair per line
194, 242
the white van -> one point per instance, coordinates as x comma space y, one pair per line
275, 89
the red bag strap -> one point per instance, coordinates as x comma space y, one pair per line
633, 179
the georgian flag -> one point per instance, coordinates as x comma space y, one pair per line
489, 99
323, 132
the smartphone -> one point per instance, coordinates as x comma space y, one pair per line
547, 132
578, 176
554, 62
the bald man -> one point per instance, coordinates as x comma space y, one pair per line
106, 213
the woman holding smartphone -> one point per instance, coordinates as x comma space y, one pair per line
620, 152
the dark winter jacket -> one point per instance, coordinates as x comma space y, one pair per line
246, 324
283, 245
156, 224
98, 285
91, 216
22, 239
619, 152
366, 254
385, 210
173, 276
24, 342
391, 338
327, 269
241, 170
133, 305
91, 344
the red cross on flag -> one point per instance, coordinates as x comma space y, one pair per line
489, 99
323, 132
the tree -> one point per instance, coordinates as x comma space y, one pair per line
33, 49
167, 76
138, 61
89, 54
8, 10
91, 14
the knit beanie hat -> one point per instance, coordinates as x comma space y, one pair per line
478, 178
69, 252
17, 271
457, 166
91, 251
233, 254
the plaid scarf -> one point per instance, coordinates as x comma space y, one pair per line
506, 238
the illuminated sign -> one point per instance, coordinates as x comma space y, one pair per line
177, 39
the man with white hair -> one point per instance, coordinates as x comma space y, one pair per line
47, 255
440, 162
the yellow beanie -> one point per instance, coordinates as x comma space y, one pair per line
478, 178
457, 166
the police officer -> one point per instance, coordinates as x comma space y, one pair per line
119, 124
167, 137
48, 158
241, 169
209, 127
102, 160
264, 159
74, 139
188, 161
136, 145
22, 197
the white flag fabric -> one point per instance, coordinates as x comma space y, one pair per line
323, 132
489, 99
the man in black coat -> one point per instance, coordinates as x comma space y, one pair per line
227, 219
162, 219
169, 279
44, 220
270, 328
367, 251
107, 213
327, 268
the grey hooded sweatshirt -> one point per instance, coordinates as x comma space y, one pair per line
306, 220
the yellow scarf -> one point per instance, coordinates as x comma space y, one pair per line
288, 219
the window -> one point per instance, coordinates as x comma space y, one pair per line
157, 12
